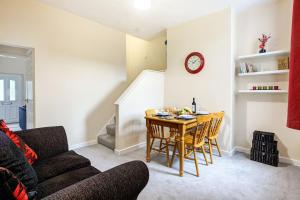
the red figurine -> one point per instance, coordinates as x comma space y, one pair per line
263, 41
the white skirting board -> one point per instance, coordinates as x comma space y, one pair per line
83, 144
225, 152
129, 149
282, 159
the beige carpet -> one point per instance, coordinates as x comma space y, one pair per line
229, 178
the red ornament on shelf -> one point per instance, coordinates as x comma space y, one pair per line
263, 42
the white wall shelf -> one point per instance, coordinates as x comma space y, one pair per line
262, 91
261, 55
275, 72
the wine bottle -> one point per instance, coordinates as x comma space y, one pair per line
194, 107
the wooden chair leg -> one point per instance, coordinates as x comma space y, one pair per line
167, 153
160, 146
196, 161
204, 154
151, 146
218, 147
210, 151
173, 156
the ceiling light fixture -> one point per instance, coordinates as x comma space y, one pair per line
142, 4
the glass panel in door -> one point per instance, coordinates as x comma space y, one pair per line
10, 97
12, 90
2, 90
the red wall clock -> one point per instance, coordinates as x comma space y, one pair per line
194, 62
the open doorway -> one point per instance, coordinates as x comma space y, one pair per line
16, 86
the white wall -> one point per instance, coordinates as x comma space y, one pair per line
265, 112
147, 91
272, 18
212, 87
80, 66
145, 54
157, 52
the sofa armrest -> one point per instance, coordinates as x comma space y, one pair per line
122, 182
46, 142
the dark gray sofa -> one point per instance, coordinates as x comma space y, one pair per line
65, 175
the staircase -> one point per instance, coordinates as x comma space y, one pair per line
108, 139
148, 90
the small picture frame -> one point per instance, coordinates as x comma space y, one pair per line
283, 63
243, 68
250, 68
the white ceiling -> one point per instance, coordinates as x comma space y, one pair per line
122, 15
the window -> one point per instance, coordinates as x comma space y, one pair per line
12, 90
1, 90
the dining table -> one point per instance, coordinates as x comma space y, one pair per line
181, 125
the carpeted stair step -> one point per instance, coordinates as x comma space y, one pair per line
107, 140
111, 129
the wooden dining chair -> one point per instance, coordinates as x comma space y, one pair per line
213, 133
194, 141
172, 111
158, 132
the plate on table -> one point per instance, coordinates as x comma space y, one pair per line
186, 117
202, 113
163, 114
166, 117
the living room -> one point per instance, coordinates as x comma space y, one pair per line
99, 66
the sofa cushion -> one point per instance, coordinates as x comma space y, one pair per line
46, 142
28, 152
59, 164
13, 159
57, 183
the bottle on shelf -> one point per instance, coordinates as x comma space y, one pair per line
194, 107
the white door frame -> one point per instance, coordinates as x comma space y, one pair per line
30, 53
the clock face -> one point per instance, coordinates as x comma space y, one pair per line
194, 62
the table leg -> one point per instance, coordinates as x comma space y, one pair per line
148, 159
182, 150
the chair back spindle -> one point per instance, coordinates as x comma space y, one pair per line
202, 129
216, 122
157, 131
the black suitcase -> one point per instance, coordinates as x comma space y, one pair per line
268, 147
263, 136
266, 158
264, 148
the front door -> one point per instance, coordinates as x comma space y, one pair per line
11, 97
